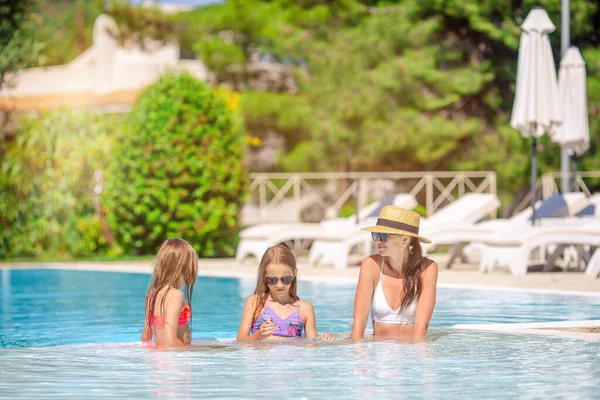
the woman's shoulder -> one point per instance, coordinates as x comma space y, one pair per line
371, 264
429, 266
428, 263
372, 260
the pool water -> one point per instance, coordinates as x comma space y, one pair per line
71, 333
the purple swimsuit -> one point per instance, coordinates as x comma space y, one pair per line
291, 326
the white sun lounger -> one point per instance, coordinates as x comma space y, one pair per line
334, 248
593, 267
257, 239
514, 248
465, 233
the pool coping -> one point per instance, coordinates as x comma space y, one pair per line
330, 279
540, 328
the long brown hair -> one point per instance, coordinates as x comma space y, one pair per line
279, 254
176, 258
411, 271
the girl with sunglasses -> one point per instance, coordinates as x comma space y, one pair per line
274, 311
398, 285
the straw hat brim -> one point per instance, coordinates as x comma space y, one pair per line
393, 231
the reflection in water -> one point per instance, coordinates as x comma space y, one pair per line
169, 376
429, 374
362, 365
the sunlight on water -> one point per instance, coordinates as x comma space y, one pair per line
451, 363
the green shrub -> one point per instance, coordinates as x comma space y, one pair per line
422, 210
46, 191
179, 171
348, 209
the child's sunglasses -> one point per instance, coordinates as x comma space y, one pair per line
286, 280
382, 236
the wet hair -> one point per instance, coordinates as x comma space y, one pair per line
176, 258
279, 254
411, 271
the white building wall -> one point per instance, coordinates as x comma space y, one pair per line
104, 68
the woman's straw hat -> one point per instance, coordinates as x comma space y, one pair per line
398, 221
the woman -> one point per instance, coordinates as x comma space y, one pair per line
399, 284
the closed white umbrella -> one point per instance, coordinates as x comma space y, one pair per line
574, 133
536, 110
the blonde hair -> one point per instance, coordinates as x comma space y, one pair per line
176, 258
279, 254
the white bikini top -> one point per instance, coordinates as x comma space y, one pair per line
382, 312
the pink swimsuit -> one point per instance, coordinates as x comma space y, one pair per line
158, 322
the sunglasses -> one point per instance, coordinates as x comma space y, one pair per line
286, 280
382, 236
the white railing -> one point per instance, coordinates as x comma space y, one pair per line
432, 189
549, 183
552, 181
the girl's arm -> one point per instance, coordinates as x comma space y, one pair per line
362, 299
310, 322
146, 333
266, 329
426, 301
310, 325
173, 306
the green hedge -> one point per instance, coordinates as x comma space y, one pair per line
48, 206
180, 170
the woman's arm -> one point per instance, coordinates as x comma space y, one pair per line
426, 301
173, 306
362, 299
266, 329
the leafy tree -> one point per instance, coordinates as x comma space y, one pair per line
18, 48
137, 24
67, 25
399, 85
179, 169
49, 199
228, 34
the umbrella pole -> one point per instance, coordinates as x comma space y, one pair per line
575, 184
533, 177
357, 202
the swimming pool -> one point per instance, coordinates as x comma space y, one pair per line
74, 333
